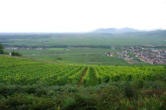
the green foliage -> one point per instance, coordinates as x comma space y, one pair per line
1, 49
32, 85
15, 54
101, 97
24, 71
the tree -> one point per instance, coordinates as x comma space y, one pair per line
1, 49
15, 54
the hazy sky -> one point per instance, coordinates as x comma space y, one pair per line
80, 15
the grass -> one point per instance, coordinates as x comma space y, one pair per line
74, 56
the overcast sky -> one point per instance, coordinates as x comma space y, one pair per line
80, 15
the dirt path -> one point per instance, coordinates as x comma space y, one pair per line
81, 78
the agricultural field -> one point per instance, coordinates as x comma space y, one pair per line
73, 55
23, 71
28, 83
83, 39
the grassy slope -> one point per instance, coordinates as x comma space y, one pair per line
25, 71
119, 95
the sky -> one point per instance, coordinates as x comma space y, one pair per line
80, 15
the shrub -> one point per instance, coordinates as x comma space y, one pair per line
129, 90
15, 54
1, 49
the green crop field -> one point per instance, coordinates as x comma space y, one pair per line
23, 71
73, 55
27, 83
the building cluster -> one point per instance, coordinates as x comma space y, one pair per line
24, 48
11, 48
110, 54
152, 56
147, 55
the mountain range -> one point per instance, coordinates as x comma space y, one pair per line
115, 30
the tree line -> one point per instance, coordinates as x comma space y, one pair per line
1, 49
12, 53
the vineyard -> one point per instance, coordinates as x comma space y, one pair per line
28, 84
24, 71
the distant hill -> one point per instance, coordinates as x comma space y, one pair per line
98, 38
115, 30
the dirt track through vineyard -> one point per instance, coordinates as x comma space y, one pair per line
81, 78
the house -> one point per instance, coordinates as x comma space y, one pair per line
10, 53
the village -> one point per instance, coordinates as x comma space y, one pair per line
25, 48
151, 55
131, 54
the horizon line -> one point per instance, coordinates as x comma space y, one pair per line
90, 31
